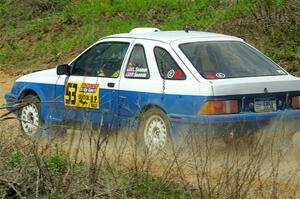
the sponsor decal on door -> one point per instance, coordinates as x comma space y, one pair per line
82, 95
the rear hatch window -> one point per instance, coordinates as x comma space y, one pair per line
228, 59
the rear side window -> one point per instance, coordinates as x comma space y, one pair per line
167, 67
137, 67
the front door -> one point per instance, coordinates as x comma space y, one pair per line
90, 93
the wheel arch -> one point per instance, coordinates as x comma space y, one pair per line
151, 106
28, 91
33, 89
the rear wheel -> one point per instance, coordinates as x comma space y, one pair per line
154, 129
30, 121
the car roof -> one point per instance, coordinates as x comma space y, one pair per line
170, 36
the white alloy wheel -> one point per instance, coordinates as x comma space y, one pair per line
155, 132
30, 119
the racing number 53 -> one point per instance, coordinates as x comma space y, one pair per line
70, 94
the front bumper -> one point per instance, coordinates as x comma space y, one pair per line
11, 101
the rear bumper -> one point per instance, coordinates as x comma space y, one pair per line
243, 122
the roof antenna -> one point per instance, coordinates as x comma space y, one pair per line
186, 29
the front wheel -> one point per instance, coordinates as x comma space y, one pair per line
154, 129
30, 121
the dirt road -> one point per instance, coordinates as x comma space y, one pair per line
6, 83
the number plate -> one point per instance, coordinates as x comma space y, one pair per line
82, 95
265, 106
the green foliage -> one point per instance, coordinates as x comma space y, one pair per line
150, 187
56, 164
53, 196
16, 159
274, 3
141, 185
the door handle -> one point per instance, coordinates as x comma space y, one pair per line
110, 84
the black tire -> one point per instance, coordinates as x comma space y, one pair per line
29, 115
154, 130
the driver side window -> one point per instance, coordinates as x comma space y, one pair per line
102, 60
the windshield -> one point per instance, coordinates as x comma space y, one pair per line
228, 59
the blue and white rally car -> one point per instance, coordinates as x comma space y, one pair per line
161, 82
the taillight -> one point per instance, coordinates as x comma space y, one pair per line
219, 107
296, 102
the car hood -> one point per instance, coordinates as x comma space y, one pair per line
48, 76
255, 85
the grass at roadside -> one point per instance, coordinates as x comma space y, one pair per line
55, 176
100, 164
40, 34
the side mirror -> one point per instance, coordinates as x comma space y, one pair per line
63, 69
